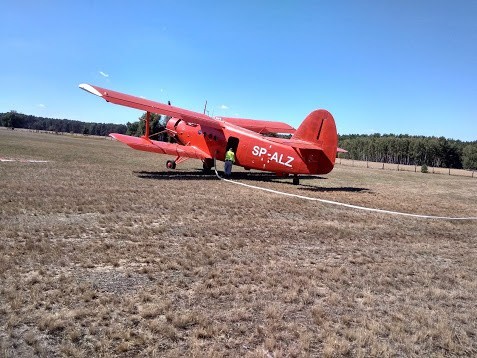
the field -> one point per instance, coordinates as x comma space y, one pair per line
105, 253
408, 168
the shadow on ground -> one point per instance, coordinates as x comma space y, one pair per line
176, 175
253, 176
341, 188
200, 174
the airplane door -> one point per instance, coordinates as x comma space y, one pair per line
233, 143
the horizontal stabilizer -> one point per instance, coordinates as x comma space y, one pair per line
296, 143
300, 144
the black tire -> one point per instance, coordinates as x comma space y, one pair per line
207, 165
296, 180
170, 164
206, 168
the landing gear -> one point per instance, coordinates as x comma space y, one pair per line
296, 180
207, 165
171, 164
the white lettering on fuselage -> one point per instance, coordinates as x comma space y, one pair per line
276, 157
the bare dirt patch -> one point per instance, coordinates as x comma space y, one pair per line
105, 253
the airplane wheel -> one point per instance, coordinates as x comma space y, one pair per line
206, 168
170, 164
296, 180
207, 165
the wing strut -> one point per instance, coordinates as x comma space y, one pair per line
148, 116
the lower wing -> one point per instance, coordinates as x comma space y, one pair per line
154, 146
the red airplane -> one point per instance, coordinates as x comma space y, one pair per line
311, 149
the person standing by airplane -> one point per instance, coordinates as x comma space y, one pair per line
229, 160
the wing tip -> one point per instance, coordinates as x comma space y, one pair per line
90, 89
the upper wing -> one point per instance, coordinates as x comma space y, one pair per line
151, 106
262, 127
154, 146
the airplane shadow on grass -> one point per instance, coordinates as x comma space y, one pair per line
201, 175
176, 175
260, 177
349, 189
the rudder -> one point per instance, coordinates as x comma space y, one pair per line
319, 128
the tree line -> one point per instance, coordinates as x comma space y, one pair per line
14, 119
410, 150
384, 148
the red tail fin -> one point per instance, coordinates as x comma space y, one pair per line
319, 128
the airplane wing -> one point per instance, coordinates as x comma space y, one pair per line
154, 146
151, 106
262, 127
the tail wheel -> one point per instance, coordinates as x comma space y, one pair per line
170, 164
296, 180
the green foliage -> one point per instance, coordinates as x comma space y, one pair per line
424, 169
405, 149
20, 120
469, 155
133, 129
157, 124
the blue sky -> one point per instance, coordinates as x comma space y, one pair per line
403, 67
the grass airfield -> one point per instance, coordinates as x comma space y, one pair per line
106, 253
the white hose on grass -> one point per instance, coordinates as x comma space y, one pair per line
343, 204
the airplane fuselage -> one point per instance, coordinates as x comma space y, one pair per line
311, 149
252, 150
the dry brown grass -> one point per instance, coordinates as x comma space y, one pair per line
103, 253
406, 168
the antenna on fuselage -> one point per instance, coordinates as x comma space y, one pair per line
205, 107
